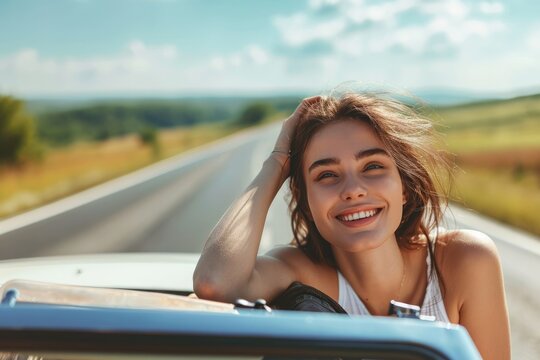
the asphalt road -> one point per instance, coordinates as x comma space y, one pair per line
172, 206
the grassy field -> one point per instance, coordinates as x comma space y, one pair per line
68, 170
497, 147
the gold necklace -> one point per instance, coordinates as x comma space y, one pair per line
403, 278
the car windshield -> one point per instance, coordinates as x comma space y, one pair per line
127, 128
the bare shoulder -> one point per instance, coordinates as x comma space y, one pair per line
293, 257
464, 246
320, 276
466, 257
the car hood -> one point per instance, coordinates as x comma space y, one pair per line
145, 271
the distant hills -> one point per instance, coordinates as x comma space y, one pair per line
447, 97
440, 97
431, 96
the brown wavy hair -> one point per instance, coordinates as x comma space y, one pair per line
410, 140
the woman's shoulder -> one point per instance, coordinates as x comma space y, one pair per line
465, 257
306, 270
289, 254
294, 257
462, 245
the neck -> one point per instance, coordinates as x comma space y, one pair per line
377, 275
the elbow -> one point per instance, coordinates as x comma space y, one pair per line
210, 289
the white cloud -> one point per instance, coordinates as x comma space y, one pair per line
299, 29
533, 40
257, 54
449, 8
138, 66
251, 55
491, 7
385, 12
412, 43
360, 27
218, 63
317, 4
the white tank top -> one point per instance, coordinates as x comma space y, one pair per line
433, 304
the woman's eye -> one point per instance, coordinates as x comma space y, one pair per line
373, 166
325, 175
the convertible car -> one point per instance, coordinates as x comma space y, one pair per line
137, 306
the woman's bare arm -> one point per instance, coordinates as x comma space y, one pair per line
229, 267
483, 310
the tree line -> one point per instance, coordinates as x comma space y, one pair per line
22, 134
101, 122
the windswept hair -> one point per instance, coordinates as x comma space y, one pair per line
410, 140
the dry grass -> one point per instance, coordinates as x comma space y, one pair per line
498, 146
526, 158
508, 136
504, 194
72, 169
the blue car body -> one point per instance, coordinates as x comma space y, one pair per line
41, 328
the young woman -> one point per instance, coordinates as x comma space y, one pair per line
365, 208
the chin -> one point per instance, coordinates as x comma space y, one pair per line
363, 243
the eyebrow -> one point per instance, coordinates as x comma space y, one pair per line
360, 155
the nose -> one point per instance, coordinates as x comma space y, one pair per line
353, 189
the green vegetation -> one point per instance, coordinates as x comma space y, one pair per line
17, 132
101, 122
254, 114
149, 136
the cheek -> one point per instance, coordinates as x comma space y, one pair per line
318, 202
390, 189
389, 185
394, 189
319, 206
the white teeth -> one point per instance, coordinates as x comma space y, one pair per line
358, 215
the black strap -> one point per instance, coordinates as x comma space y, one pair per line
303, 297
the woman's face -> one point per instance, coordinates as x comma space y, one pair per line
354, 190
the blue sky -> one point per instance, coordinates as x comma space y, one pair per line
168, 47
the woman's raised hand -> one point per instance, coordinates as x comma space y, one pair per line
283, 143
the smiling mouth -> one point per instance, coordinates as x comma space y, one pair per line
360, 215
